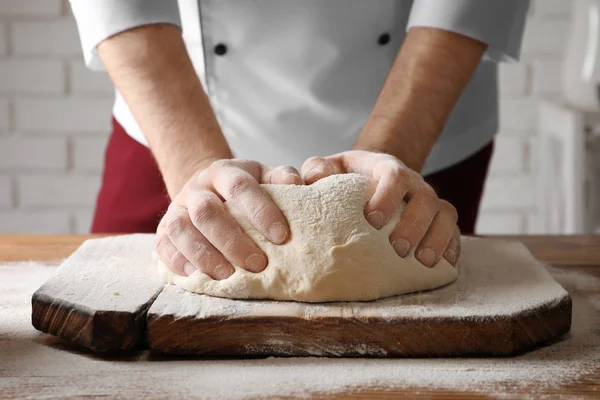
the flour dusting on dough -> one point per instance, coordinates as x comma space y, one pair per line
334, 254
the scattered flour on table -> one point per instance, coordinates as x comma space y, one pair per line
32, 360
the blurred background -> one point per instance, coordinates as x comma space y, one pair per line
55, 119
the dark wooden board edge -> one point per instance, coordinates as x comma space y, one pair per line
542, 325
263, 336
98, 330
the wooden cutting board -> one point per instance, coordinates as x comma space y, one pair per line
107, 297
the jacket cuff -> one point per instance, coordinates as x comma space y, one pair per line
100, 19
498, 23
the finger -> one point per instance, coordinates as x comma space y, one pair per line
284, 174
199, 252
169, 255
244, 191
438, 236
393, 181
415, 220
210, 217
359, 161
316, 168
452, 253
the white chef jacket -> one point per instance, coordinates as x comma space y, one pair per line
291, 79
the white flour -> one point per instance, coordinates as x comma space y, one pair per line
31, 362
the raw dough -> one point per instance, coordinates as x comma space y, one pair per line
334, 254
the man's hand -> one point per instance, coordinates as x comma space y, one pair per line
198, 233
427, 223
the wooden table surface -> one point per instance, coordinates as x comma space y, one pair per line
580, 252
556, 250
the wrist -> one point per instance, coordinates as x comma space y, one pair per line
177, 176
404, 143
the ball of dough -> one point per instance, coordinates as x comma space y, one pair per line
333, 254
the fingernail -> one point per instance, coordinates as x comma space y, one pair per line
223, 271
401, 246
427, 257
376, 219
450, 256
256, 262
188, 268
278, 233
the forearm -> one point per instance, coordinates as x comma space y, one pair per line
431, 70
150, 66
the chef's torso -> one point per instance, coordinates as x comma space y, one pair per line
292, 79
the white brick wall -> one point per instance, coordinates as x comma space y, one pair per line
32, 76
54, 121
52, 8
4, 115
3, 41
84, 81
5, 192
61, 115
87, 155
501, 222
19, 153
509, 199
45, 38
55, 118
546, 74
515, 79
19, 221
57, 191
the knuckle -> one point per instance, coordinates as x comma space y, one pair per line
288, 169
396, 174
220, 164
416, 179
204, 209
236, 185
286, 174
177, 260
457, 246
218, 167
175, 225
194, 184
458, 249
161, 241
449, 209
399, 173
428, 193
313, 162
314, 159
243, 162
457, 233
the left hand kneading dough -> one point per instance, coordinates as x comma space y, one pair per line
334, 254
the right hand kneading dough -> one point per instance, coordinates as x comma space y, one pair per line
334, 254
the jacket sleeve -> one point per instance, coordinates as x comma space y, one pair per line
100, 19
498, 23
